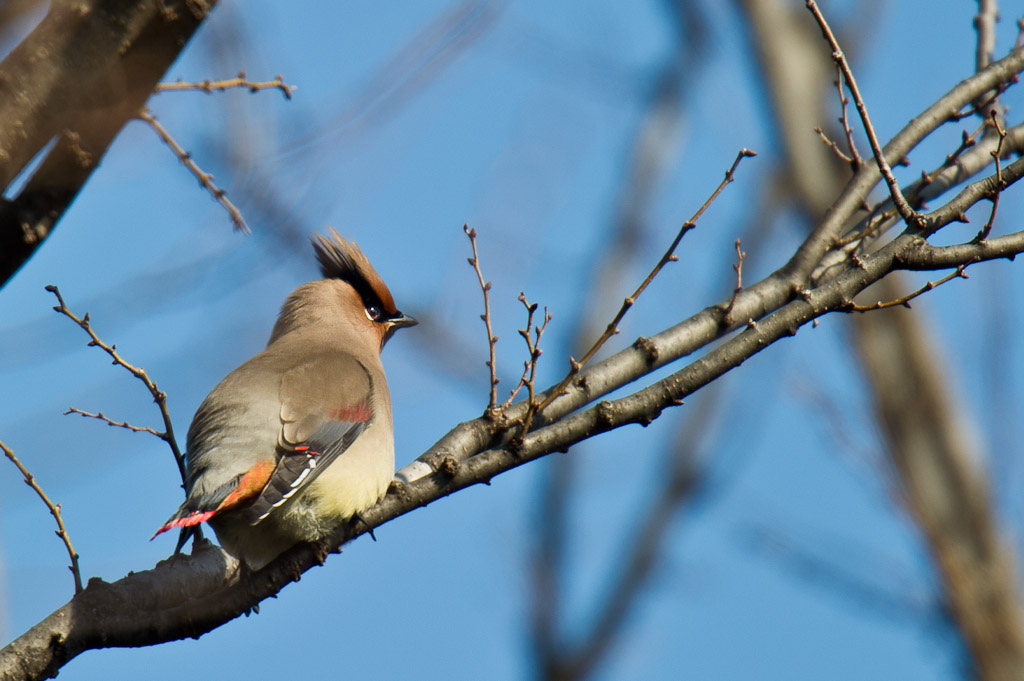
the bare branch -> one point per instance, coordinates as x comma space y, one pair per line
532, 335
738, 267
969, 158
209, 86
908, 214
111, 422
474, 452
984, 102
54, 509
218, 592
159, 396
956, 209
904, 301
205, 178
669, 256
813, 255
996, 156
854, 159
492, 340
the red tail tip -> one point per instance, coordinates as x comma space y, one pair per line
194, 518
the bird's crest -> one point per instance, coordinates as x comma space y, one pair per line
341, 259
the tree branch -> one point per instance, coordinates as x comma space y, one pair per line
666, 258
205, 178
240, 81
159, 396
54, 510
492, 340
75, 81
906, 212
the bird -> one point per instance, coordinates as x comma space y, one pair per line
298, 440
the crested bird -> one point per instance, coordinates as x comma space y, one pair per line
298, 440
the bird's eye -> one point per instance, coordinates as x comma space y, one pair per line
373, 313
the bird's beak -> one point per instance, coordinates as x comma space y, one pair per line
394, 324
402, 320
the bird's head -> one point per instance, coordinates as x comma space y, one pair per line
351, 295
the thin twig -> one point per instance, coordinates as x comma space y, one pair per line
738, 267
834, 147
669, 256
240, 81
492, 340
111, 422
966, 142
916, 192
904, 301
1000, 184
159, 396
524, 379
855, 159
54, 509
205, 179
530, 365
908, 214
519, 386
871, 227
988, 99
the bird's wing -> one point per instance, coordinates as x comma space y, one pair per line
326, 403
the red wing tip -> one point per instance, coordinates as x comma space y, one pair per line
355, 414
194, 518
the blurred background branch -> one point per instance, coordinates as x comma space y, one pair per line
938, 467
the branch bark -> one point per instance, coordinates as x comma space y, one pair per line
65, 93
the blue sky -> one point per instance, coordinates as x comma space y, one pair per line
410, 119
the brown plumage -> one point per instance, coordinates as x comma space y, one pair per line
299, 438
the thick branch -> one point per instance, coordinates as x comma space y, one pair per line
77, 78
